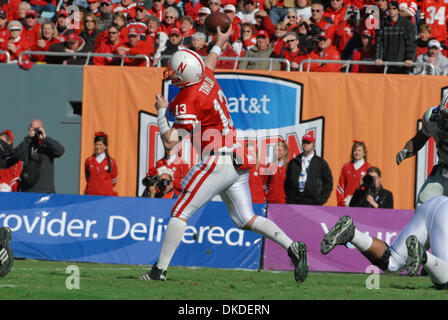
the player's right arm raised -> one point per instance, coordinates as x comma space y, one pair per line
215, 52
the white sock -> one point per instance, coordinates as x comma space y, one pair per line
437, 269
361, 241
270, 230
173, 235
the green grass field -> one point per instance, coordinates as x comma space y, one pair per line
44, 280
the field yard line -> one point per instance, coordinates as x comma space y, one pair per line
8, 285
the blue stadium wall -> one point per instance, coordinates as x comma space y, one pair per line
54, 95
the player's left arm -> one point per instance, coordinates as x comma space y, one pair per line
215, 52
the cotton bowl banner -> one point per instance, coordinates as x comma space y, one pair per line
256, 104
310, 223
123, 230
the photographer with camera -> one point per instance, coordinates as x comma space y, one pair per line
371, 193
159, 184
38, 151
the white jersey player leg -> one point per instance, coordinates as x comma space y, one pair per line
430, 226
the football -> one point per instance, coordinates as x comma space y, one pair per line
216, 19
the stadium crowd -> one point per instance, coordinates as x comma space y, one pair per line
403, 31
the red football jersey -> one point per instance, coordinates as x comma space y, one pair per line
435, 14
205, 104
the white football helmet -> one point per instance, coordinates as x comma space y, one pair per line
442, 119
185, 68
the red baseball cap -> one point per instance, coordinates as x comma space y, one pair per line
31, 12
8, 132
175, 31
106, 1
263, 33
309, 137
133, 31
73, 36
62, 12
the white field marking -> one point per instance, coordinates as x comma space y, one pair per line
8, 285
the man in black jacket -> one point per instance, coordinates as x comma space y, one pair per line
395, 40
38, 152
308, 176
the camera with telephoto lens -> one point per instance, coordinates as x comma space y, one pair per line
162, 184
36, 137
150, 181
368, 185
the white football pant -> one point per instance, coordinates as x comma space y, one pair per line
430, 226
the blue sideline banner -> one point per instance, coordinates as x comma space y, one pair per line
123, 230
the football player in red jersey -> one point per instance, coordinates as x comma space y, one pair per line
201, 104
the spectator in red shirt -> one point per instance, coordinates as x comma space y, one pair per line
9, 177
215, 5
424, 35
4, 32
171, 20
291, 51
61, 22
187, 29
93, 6
16, 43
134, 46
154, 37
319, 20
109, 46
31, 27
352, 173
127, 7
230, 11
336, 12
72, 44
192, 8
247, 41
365, 53
101, 169
277, 175
158, 9
281, 29
11, 7
119, 20
324, 51
227, 52
22, 9
199, 42
48, 36
43, 5
291, 20
199, 22
264, 23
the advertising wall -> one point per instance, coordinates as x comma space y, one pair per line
310, 223
123, 230
380, 110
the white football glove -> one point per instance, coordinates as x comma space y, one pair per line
403, 154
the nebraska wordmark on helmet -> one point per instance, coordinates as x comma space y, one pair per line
186, 68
